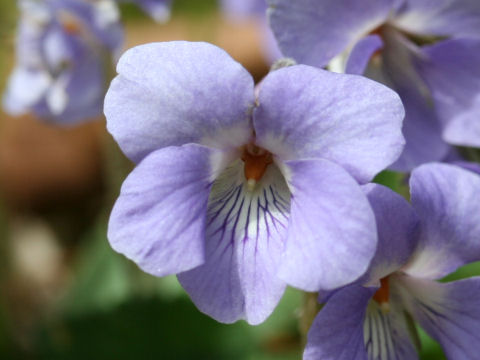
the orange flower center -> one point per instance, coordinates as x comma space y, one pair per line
382, 295
256, 162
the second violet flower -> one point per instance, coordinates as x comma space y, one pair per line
238, 194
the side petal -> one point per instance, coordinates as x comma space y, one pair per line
451, 71
422, 126
331, 231
397, 226
362, 53
445, 197
455, 18
171, 94
306, 112
314, 32
337, 331
449, 312
245, 238
159, 218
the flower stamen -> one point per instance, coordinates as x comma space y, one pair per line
382, 295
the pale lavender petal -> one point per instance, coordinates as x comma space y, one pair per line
362, 53
245, 240
331, 230
422, 128
159, 219
306, 112
449, 312
464, 129
455, 18
445, 198
313, 32
397, 226
452, 73
171, 94
337, 331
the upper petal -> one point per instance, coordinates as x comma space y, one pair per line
440, 17
171, 94
245, 238
445, 198
306, 112
449, 312
159, 218
313, 32
331, 232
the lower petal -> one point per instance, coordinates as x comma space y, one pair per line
245, 240
352, 326
331, 232
449, 312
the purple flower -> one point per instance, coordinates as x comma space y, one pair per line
374, 321
230, 189
428, 51
241, 9
63, 50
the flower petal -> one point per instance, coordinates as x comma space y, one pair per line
159, 218
171, 94
314, 32
245, 240
397, 226
445, 197
337, 331
331, 231
361, 54
306, 112
449, 312
455, 18
422, 128
452, 74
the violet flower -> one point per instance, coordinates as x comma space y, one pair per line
230, 189
375, 321
428, 51
63, 50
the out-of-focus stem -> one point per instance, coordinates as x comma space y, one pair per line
309, 310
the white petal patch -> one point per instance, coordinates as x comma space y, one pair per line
250, 226
386, 335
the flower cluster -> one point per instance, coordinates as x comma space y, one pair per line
242, 189
427, 51
240, 192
